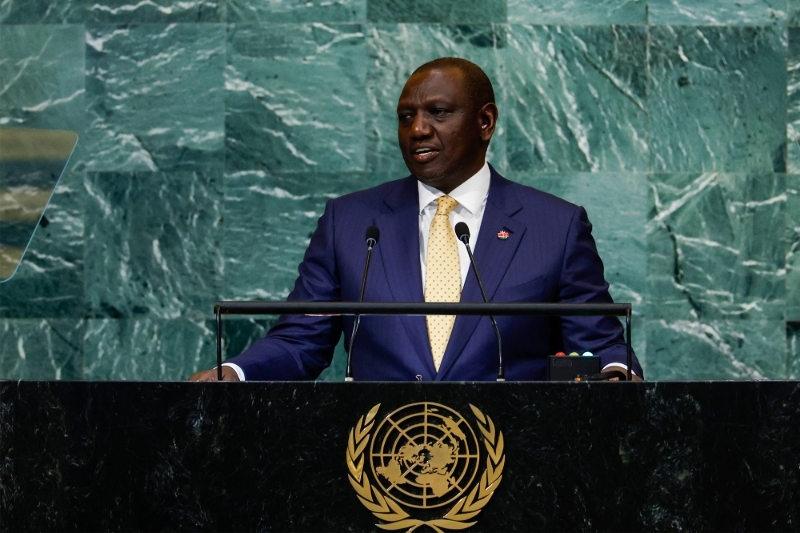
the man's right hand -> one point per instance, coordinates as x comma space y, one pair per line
228, 374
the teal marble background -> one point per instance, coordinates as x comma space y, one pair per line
212, 132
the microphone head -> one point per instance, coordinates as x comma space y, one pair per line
462, 232
372, 235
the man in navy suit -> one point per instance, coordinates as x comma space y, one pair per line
529, 247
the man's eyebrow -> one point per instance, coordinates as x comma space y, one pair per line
439, 100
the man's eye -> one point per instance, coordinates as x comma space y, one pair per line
438, 112
403, 116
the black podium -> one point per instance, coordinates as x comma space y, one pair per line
104, 456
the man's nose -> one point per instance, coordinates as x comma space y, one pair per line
420, 127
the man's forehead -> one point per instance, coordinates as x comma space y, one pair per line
448, 72
447, 82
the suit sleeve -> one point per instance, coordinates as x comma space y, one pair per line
300, 347
582, 280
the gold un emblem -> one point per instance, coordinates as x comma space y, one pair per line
424, 458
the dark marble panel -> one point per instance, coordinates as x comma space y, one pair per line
36, 173
25, 188
793, 12
42, 86
297, 11
717, 349
49, 281
577, 12
187, 456
269, 220
715, 250
716, 13
42, 76
144, 349
295, 98
793, 106
137, 11
793, 349
117, 11
15, 236
40, 348
240, 332
153, 244
717, 98
437, 11
33, 12
792, 247
394, 52
577, 98
155, 97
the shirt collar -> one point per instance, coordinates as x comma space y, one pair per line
470, 195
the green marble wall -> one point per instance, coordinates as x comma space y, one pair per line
213, 131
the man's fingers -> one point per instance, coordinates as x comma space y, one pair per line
205, 375
228, 374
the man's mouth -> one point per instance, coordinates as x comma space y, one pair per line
422, 155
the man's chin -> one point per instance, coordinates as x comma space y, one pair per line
435, 180
425, 173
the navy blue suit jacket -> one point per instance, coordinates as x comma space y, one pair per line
550, 256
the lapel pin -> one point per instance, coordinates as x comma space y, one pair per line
503, 235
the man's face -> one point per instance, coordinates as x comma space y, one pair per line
442, 136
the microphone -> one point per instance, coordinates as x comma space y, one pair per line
372, 239
462, 234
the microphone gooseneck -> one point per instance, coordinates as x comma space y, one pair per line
371, 237
462, 234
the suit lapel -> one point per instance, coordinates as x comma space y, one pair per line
493, 257
400, 255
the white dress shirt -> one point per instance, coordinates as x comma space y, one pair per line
471, 197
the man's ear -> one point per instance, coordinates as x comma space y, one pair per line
487, 120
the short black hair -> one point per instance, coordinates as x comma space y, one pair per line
478, 84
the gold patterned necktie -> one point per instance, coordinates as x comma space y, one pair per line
442, 276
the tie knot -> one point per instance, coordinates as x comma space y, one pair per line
445, 204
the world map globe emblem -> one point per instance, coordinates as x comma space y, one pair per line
424, 455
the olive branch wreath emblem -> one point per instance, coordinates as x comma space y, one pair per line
395, 517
